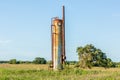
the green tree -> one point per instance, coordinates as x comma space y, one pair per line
39, 60
91, 56
85, 56
13, 61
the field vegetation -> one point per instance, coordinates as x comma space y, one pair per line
43, 72
93, 64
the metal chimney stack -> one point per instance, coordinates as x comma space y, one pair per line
58, 42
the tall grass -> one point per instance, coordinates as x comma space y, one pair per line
41, 72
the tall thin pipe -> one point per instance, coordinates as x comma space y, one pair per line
63, 35
52, 40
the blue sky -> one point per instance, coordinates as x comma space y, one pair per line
25, 27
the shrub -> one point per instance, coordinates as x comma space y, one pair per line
13, 61
39, 60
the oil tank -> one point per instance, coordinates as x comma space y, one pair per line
57, 43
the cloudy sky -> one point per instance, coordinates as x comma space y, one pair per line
25, 27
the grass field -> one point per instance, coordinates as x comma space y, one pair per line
42, 72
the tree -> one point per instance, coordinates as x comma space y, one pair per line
13, 61
39, 60
91, 56
4, 62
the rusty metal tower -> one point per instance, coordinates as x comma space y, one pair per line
58, 41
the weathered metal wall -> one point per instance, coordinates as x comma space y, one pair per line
57, 44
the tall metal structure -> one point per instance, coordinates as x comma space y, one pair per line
58, 41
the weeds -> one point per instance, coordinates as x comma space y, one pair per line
70, 73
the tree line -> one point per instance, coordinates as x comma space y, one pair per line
37, 60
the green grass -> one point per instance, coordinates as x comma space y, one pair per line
41, 72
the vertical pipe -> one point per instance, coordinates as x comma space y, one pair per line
51, 42
54, 47
63, 36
